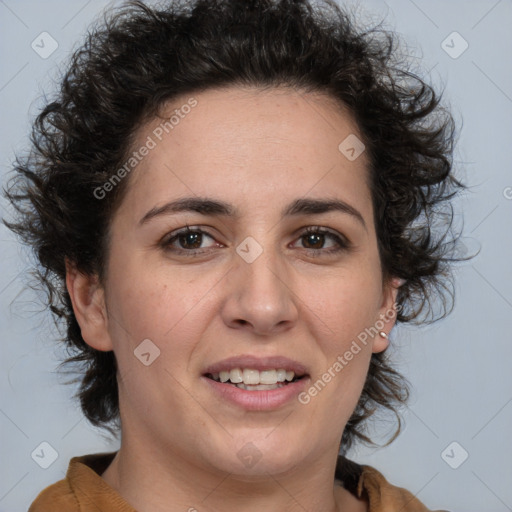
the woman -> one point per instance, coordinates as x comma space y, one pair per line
232, 203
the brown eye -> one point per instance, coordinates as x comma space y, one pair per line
191, 240
186, 241
314, 240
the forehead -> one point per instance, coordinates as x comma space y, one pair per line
256, 146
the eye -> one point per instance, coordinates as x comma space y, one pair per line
314, 239
187, 241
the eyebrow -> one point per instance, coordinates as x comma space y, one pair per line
216, 208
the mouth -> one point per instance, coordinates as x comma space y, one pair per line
257, 383
251, 379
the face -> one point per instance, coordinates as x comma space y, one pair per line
265, 279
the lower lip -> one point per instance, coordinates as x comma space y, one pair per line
258, 400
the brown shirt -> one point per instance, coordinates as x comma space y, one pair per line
83, 489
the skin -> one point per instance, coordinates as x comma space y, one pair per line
259, 151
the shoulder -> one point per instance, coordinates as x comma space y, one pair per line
83, 488
58, 496
385, 497
368, 483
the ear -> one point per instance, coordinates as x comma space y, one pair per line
387, 313
88, 299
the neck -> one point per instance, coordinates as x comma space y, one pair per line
156, 481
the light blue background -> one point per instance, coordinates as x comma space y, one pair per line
459, 367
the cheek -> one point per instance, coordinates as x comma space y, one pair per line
170, 308
335, 389
149, 313
342, 305
151, 300
342, 310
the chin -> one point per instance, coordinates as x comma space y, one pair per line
251, 458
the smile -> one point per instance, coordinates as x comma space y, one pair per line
254, 380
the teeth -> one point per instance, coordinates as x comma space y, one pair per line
268, 377
260, 387
236, 376
253, 378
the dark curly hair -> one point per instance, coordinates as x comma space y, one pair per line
137, 57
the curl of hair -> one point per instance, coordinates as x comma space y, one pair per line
137, 58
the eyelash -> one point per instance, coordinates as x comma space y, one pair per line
342, 243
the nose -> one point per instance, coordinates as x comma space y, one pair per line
260, 296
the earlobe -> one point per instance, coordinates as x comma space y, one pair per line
380, 342
387, 315
88, 299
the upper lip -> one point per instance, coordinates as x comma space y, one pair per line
258, 363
